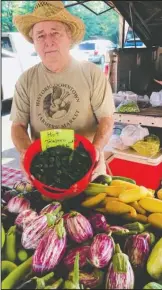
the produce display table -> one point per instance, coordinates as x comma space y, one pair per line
9, 176
147, 117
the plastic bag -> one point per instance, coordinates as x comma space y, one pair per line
118, 99
116, 142
133, 133
156, 99
130, 96
148, 147
143, 101
128, 106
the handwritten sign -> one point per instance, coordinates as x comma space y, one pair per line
58, 137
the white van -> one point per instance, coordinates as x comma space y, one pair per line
18, 55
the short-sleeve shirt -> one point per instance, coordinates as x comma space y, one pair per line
75, 98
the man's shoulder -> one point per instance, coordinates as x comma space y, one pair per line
90, 67
32, 69
30, 72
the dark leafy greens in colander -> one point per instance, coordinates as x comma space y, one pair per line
60, 166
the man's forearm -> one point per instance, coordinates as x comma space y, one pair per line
20, 137
103, 133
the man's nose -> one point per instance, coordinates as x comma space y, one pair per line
49, 41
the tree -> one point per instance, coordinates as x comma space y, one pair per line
104, 26
12, 8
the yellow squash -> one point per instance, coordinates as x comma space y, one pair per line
138, 208
151, 192
118, 208
155, 219
93, 201
134, 194
101, 209
95, 188
159, 194
126, 184
114, 191
139, 217
151, 204
108, 198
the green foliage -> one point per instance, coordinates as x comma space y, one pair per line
12, 8
104, 26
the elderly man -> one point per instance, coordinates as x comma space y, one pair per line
60, 92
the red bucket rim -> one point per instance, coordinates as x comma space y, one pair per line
60, 192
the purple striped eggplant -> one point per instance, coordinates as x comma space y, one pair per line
78, 227
50, 249
138, 247
69, 259
120, 274
51, 207
91, 280
18, 204
25, 217
98, 222
101, 250
34, 232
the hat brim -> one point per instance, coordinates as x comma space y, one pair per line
24, 23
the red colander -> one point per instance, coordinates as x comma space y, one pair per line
53, 192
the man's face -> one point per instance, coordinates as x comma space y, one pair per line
52, 41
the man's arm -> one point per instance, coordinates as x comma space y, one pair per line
20, 137
103, 133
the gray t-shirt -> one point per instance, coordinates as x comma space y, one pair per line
73, 99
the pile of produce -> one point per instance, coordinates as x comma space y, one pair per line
125, 198
85, 242
128, 107
148, 147
60, 166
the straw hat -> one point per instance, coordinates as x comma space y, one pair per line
48, 11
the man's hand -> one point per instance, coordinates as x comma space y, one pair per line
100, 167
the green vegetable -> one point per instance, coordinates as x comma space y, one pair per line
10, 250
55, 285
154, 262
124, 179
103, 179
2, 236
73, 282
128, 107
36, 282
137, 227
7, 267
153, 285
12, 279
22, 255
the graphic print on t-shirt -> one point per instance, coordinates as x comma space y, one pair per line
58, 105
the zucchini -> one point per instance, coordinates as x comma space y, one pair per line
154, 262
153, 285
16, 275
124, 179
7, 267
22, 255
10, 249
3, 236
